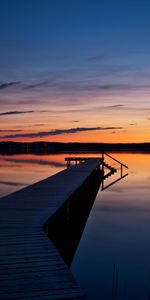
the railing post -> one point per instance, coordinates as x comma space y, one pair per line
102, 170
102, 156
115, 160
102, 183
121, 170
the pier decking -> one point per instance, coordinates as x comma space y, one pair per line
30, 265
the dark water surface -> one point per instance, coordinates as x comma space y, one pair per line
113, 258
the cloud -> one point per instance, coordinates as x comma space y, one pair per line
10, 130
63, 88
52, 81
15, 112
99, 58
13, 183
116, 87
39, 124
69, 84
91, 109
113, 132
87, 85
6, 85
115, 106
59, 132
35, 85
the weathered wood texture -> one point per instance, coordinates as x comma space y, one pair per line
30, 266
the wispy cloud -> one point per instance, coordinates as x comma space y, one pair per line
35, 85
133, 124
16, 112
60, 90
12, 183
59, 132
91, 108
114, 106
103, 57
86, 85
113, 132
39, 124
116, 87
69, 83
11, 130
52, 81
6, 85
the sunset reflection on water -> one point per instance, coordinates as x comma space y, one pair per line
113, 253
20, 170
115, 245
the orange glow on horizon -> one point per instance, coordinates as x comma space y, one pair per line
134, 135
128, 125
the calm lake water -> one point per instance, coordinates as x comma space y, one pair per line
113, 258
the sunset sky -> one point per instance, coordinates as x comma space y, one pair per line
75, 70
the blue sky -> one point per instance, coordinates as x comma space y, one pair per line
52, 36
75, 54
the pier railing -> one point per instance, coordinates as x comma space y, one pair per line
119, 162
112, 169
103, 165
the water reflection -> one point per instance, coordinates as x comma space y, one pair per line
116, 239
112, 260
65, 227
20, 170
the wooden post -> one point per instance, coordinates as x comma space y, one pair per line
102, 157
121, 170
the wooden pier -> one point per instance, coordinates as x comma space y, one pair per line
75, 160
30, 265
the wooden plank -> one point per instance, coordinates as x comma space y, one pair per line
56, 297
30, 266
36, 282
70, 292
35, 274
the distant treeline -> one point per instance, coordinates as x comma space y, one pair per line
52, 147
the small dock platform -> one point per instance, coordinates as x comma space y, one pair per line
76, 160
30, 265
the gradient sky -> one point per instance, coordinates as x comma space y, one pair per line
75, 70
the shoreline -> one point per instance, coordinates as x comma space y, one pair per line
54, 148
